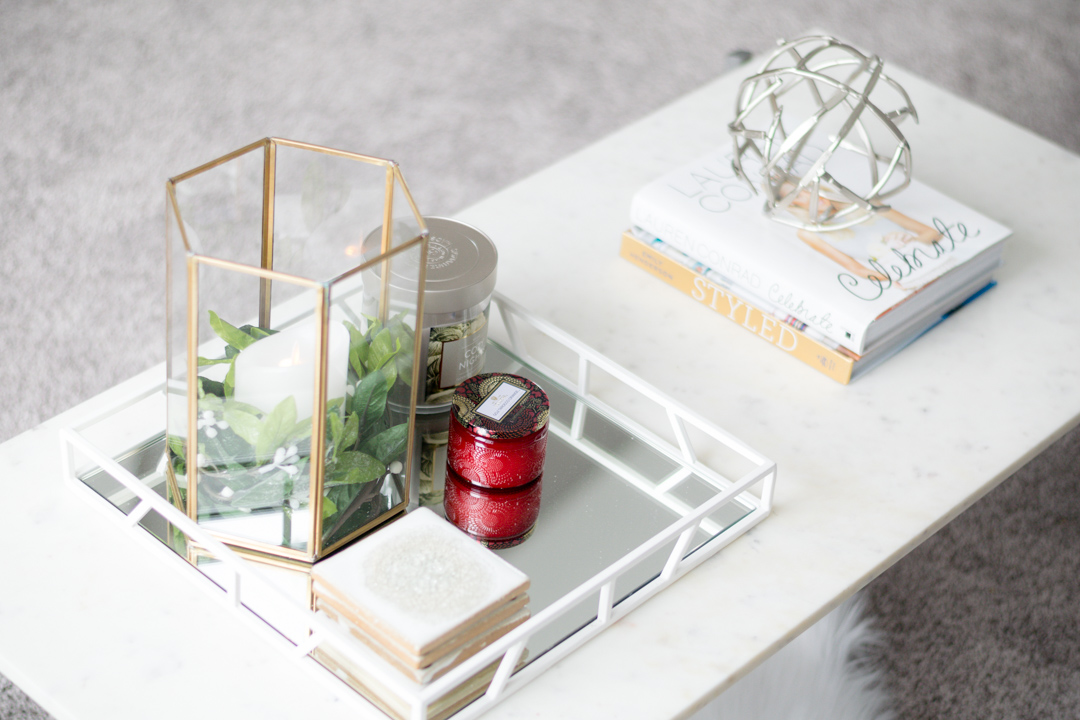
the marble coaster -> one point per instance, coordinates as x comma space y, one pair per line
487, 627
429, 670
418, 582
390, 702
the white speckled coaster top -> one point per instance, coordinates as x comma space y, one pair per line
419, 580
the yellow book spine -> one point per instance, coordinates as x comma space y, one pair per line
796, 343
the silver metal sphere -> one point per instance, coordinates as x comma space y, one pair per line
811, 131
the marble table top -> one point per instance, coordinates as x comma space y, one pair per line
93, 625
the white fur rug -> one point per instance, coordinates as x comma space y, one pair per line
821, 675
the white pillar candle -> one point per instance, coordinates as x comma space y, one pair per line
283, 365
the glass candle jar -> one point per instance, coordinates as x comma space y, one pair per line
433, 428
496, 518
429, 453
498, 430
459, 281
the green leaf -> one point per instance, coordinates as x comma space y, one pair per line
364, 355
382, 349
355, 336
339, 496
352, 430
403, 367
232, 335
344, 476
369, 400
401, 332
403, 359
211, 388
257, 332
343, 434
390, 373
203, 362
230, 380
246, 425
356, 467
356, 362
276, 428
374, 325
328, 507
387, 445
232, 403
227, 449
375, 428
177, 445
336, 427
336, 495
358, 504
267, 493
301, 431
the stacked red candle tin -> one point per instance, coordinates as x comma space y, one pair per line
497, 518
495, 457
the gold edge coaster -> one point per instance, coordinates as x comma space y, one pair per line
356, 579
510, 610
368, 620
437, 668
477, 645
398, 707
404, 654
392, 705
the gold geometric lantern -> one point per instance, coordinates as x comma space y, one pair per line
290, 380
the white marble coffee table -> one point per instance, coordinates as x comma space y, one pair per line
92, 625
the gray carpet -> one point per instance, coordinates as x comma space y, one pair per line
983, 619
101, 102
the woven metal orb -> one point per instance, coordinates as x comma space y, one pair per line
816, 130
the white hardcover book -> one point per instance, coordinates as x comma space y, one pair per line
855, 286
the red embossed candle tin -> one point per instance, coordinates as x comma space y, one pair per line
496, 518
498, 430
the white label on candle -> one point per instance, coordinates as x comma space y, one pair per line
500, 401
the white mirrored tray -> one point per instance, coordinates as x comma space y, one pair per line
637, 491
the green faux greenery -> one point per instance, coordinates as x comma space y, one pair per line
250, 459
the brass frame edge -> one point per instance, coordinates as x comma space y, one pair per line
219, 161
170, 480
407, 245
387, 230
318, 426
424, 239
191, 463
370, 159
258, 272
276, 558
409, 198
266, 261
391, 514
170, 194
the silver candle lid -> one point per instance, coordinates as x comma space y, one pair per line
461, 264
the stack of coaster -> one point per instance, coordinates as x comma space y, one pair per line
423, 597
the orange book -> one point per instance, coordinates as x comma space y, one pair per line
833, 363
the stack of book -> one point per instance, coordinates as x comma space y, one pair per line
421, 597
840, 301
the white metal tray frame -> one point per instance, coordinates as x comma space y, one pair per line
322, 632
